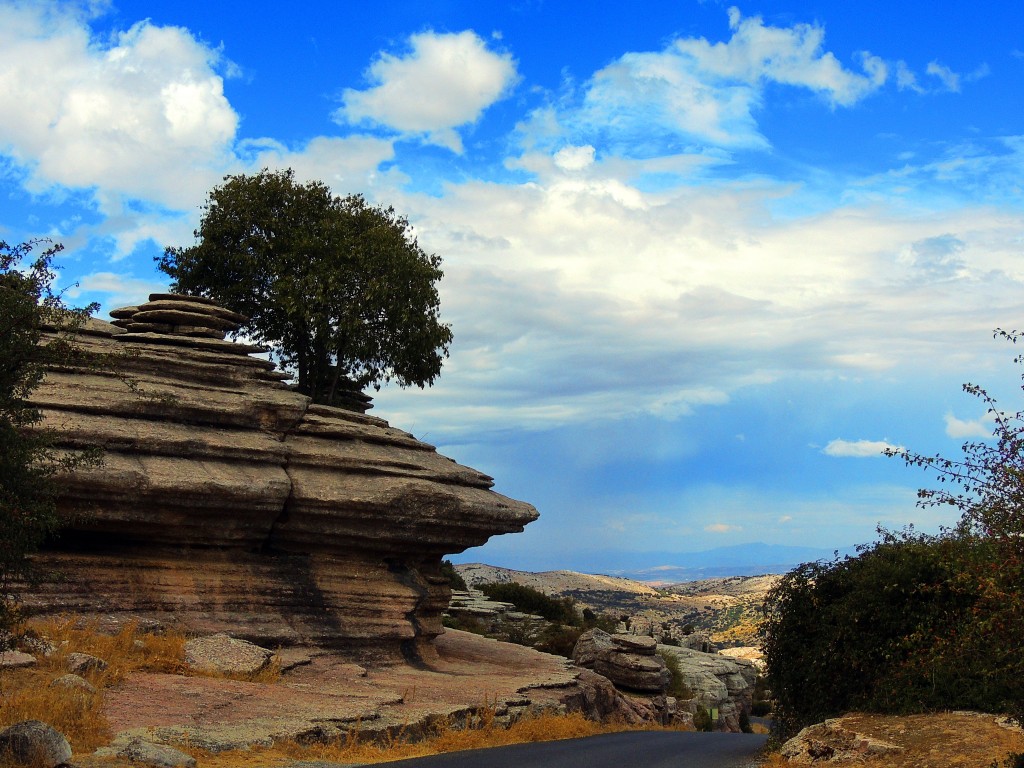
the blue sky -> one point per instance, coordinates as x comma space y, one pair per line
702, 261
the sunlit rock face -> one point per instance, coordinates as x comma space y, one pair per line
228, 502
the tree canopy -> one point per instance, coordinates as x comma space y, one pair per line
339, 290
28, 308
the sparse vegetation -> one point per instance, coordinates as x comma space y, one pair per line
561, 610
677, 687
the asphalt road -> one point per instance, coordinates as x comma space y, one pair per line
659, 749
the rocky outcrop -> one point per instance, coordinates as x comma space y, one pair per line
718, 682
833, 742
228, 502
629, 661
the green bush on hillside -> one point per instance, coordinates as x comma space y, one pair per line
561, 610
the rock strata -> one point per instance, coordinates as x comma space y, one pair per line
718, 682
629, 661
227, 502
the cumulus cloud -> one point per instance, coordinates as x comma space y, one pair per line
142, 115
698, 91
859, 449
960, 428
443, 82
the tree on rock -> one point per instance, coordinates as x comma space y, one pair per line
29, 311
339, 290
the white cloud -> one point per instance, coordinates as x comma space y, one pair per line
859, 449
143, 115
343, 163
113, 289
695, 91
445, 81
784, 519
958, 428
950, 80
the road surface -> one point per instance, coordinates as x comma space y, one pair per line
656, 749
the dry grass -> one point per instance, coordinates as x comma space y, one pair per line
25, 694
445, 737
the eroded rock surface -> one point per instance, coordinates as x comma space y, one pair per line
718, 682
228, 503
629, 661
34, 743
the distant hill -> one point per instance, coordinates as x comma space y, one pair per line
726, 608
673, 567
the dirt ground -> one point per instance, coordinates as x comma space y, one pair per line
469, 671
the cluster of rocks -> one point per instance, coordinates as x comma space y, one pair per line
629, 661
636, 663
227, 502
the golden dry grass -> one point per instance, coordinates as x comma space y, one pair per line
25, 694
445, 737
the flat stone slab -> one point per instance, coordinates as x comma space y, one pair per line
221, 654
16, 660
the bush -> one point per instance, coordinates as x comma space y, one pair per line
744, 723
702, 719
455, 581
677, 687
529, 600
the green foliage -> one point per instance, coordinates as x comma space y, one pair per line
702, 719
677, 687
455, 581
529, 600
338, 289
558, 639
28, 459
914, 623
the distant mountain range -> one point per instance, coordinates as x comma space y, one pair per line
673, 567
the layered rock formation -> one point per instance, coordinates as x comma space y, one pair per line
228, 502
629, 661
719, 683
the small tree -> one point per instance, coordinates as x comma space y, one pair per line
338, 289
28, 308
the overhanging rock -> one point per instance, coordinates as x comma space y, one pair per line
228, 502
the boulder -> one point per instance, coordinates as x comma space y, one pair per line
73, 683
16, 660
84, 663
223, 655
832, 742
227, 502
142, 752
628, 661
34, 743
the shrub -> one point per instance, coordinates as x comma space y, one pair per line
702, 719
744, 723
677, 687
529, 600
455, 581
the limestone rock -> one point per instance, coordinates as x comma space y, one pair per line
627, 660
34, 743
227, 502
718, 682
84, 663
139, 751
16, 660
224, 655
831, 742
600, 700
73, 683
